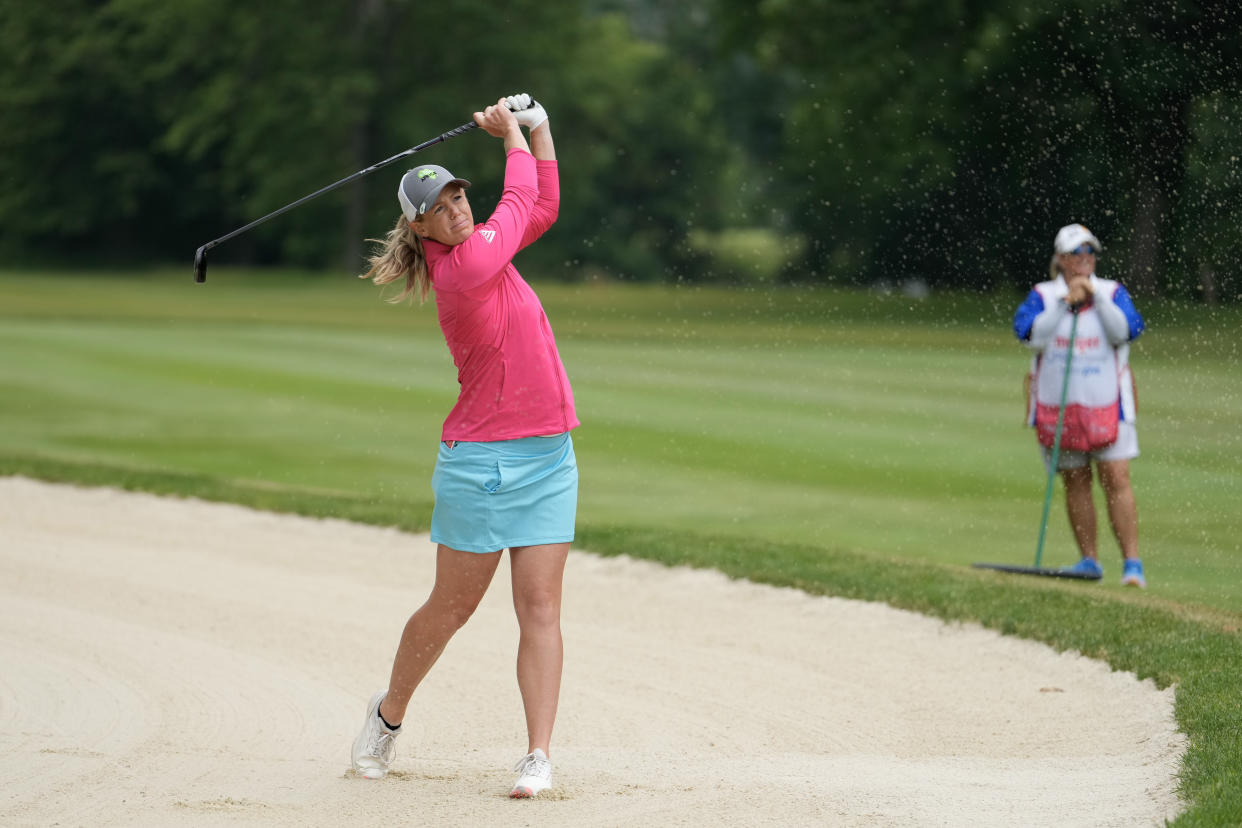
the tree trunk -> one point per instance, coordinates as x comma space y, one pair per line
370, 20
1207, 284
1160, 170
356, 207
1150, 213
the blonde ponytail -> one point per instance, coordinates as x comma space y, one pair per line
1054, 268
400, 256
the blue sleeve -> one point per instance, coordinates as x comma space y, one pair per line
1032, 307
1121, 298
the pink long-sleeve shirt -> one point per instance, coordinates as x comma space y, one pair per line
513, 383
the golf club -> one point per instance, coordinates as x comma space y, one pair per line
200, 257
1052, 476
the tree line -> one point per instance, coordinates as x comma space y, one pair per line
824, 141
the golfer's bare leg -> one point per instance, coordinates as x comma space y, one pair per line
537, 575
1081, 508
1122, 510
462, 579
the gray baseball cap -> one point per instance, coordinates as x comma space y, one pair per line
421, 186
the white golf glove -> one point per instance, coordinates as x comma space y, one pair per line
527, 110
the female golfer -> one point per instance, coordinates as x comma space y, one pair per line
1099, 400
506, 476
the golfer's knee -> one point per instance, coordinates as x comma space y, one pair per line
538, 610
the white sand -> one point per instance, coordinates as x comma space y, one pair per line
173, 662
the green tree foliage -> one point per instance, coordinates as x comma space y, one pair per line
709, 139
76, 142
144, 128
948, 141
651, 159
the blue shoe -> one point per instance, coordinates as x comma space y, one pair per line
1087, 568
1132, 574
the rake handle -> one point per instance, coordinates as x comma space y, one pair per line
1056, 441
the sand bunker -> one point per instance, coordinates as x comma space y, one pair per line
172, 662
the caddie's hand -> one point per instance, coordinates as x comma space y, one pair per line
497, 120
528, 111
1079, 293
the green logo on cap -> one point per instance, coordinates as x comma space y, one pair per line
423, 175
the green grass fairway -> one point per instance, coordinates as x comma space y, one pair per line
876, 424
843, 443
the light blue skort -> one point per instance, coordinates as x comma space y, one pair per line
497, 495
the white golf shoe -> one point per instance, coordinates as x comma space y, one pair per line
376, 745
534, 775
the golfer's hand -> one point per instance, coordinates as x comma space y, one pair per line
497, 120
528, 111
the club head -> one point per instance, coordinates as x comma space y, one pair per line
200, 265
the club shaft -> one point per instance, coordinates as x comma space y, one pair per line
361, 173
